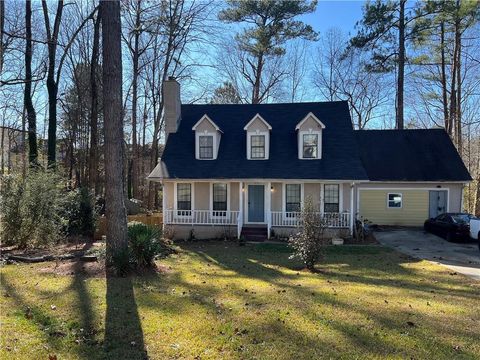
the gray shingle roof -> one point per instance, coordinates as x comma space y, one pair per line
410, 155
340, 155
376, 155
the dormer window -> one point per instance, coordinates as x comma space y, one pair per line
310, 146
205, 142
207, 139
309, 135
257, 147
258, 138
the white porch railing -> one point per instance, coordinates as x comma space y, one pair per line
200, 217
292, 219
277, 218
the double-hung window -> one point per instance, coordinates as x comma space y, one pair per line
310, 146
220, 199
332, 198
257, 147
293, 194
184, 199
394, 201
205, 146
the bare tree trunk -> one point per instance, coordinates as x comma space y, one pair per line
448, 126
112, 94
458, 130
93, 160
258, 80
401, 65
477, 199
454, 82
2, 28
27, 96
2, 146
52, 85
136, 55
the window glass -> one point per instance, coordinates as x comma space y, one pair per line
293, 197
394, 200
184, 196
257, 147
462, 218
310, 146
206, 146
220, 198
331, 194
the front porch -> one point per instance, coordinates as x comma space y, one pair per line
210, 206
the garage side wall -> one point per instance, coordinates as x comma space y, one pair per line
371, 202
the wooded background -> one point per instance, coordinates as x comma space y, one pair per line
407, 65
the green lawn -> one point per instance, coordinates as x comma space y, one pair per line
220, 301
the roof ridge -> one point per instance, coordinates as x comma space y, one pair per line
279, 103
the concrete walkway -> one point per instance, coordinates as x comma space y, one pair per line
464, 258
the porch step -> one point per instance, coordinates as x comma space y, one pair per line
254, 233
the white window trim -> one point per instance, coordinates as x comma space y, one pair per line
284, 198
310, 115
197, 144
211, 200
205, 118
300, 143
388, 201
340, 197
257, 116
267, 144
175, 198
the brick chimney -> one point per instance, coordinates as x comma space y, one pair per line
171, 105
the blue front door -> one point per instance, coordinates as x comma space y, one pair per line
256, 201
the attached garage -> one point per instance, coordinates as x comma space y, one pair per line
413, 175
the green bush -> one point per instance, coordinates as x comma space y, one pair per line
144, 243
31, 209
80, 212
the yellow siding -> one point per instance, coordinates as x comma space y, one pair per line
373, 206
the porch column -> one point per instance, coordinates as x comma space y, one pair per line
268, 209
240, 209
164, 207
352, 212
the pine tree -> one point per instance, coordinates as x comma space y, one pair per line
272, 25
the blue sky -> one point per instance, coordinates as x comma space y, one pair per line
338, 13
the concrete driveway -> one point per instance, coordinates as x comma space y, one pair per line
464, 258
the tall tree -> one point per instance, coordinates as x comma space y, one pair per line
53, 77
442, 59
340, 74
385, 30
27, 99
113, 122
2, 29
52, 85
93, 156
136, 25
272, 24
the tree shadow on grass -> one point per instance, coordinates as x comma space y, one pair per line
123, 328
374, 266
368, 265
